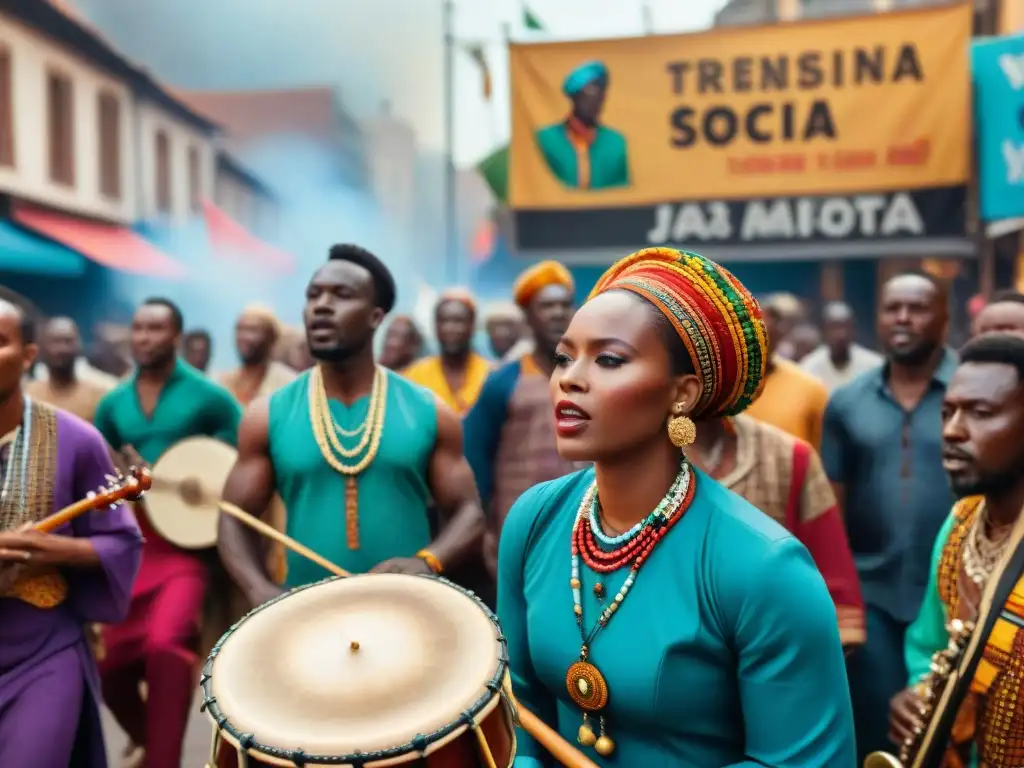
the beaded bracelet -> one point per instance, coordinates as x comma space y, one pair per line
431, 560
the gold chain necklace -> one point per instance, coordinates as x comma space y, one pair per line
324, 431
981, 552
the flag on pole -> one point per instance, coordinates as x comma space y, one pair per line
476, 53
531, 20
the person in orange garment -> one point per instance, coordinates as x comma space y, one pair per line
793, 400
457, 374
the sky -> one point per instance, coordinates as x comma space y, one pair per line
371, 52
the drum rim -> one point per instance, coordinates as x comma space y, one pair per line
418, 745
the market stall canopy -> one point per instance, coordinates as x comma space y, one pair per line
109, 245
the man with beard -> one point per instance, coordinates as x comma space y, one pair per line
256, 333
164, 402
510, 432
882, 450
978, 549
60, 349
349, 432
457, 374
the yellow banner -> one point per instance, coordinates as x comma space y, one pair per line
817, 107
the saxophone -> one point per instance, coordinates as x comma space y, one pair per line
932, 686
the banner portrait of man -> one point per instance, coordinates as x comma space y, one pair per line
579, 151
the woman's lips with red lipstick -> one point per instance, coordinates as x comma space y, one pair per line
570, 419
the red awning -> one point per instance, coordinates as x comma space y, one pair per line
110, 245
231, 240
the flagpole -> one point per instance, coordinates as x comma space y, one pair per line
648, 19
450, 213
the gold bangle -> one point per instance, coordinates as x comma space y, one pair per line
431, 560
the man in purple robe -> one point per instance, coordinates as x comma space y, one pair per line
53, 585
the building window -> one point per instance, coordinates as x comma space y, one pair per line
195, 179
110, 145
61, 116
163, 172
6, 109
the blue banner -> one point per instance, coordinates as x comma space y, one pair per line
998, 71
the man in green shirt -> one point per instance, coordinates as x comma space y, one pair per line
579, 151
357, 452
163, 402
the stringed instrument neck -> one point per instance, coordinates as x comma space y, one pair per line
120, 488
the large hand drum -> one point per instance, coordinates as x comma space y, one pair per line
187, 483
365, 671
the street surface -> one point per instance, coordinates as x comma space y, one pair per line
197, 739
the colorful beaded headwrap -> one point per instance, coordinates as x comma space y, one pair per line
715, 316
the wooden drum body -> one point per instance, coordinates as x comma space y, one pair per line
364, 671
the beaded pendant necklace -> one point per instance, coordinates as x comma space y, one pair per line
326, 431
583, 680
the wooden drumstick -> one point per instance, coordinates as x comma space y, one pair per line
272, 533
552, 741
548, 737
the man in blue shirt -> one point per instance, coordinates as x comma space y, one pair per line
882, 449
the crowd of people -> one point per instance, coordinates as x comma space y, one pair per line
789, 522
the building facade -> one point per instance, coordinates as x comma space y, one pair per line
104, 171
66, 127
246, 199
257, 121
391, 161
177, 161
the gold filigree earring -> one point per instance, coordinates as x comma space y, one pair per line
681, 429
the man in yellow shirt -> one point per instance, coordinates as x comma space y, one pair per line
457, 374
792, 400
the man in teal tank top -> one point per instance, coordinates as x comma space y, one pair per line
357, 453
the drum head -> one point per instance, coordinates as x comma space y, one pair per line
363, 664
189, 525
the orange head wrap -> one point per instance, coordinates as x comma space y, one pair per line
715, 316
538, 277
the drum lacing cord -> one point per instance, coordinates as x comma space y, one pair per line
298, 756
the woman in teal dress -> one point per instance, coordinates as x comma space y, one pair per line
652, 615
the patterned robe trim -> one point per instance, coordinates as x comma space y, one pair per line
764, 467
992, 716
783, 477
42, 587
951, 561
